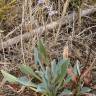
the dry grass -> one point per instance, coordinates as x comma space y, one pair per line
28, 16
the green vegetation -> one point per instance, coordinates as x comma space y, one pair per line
48, 47
51, 78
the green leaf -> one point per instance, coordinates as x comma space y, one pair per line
53, 69
48, 74
60, 70
27, 70
45, 81
41, 88
43, 52
36, 56
66, 92
63, 69
8, 77
85, 90
41, 48
24, 81
40, 73
37, 60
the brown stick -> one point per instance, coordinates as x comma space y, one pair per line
41, 29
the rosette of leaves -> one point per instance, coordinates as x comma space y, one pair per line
48, 79
51, 79
5, 6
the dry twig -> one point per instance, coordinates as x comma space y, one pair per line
41, 29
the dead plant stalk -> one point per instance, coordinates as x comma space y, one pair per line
66, 4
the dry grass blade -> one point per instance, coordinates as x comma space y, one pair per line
89, 69
41, 29
63, 15
2, 83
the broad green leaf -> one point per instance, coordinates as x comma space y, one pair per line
63, 69
45, 81
62, 74
24, 81
43, 52
56, 75
48, 74
85, 90
8, 77
67, 92
41, 48
41, 88
28, 70
53, 69
37, 60
60, 70
40, 73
